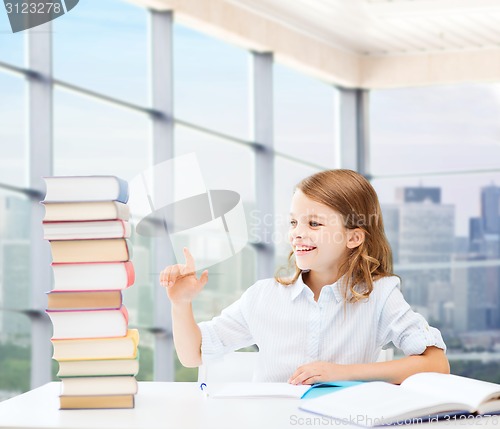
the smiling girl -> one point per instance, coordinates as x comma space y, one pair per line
330, 320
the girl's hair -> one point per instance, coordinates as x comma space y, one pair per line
353, 197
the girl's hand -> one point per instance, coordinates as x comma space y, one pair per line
316, 372
181, 282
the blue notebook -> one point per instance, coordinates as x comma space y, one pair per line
320, 389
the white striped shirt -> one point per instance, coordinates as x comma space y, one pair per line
291, 328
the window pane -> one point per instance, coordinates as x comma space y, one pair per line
11, 44
224, 164
446, 128
445, 236
304, 117
102, 45
146, 347
287, 174
15, 215
211, 82
15, 354
14, 159
95, 138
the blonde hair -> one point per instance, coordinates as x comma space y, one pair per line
353, 197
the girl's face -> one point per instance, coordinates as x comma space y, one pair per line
317, 234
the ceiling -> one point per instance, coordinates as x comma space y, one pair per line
381, 27
360, 43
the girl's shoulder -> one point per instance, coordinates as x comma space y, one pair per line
261, 287
383, 286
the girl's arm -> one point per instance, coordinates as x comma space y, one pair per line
182, 287
433, 359
187, 335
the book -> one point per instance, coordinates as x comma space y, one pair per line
97, 348
85, 188
103, 367
421, 397
95, 402
102, 250
113, 385
259, 390
84, 211
93, 276
86, 230
280, 390
89, 323
84, 300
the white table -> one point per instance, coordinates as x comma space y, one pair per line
172, 405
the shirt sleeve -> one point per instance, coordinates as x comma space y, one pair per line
408, 330
227, 332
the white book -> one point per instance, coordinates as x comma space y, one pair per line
89, 323
93, 276
114, 385
420, 397
90, 210
85, 188
86, 230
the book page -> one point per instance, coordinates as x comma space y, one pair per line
376, 403
256, 390
453, 388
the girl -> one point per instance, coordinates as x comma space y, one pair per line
331, 319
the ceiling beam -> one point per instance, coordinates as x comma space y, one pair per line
474, 66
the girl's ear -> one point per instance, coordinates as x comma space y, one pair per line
355, 237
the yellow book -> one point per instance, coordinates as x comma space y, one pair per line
97, 348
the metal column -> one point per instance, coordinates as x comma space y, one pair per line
353, 107
40, 164
161, 28
262, 125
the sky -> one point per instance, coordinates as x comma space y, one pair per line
102, 45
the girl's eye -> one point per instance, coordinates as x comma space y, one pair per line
293, 222
314, 223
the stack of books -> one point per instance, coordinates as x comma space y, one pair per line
86, 223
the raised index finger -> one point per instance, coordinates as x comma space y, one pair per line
189, 260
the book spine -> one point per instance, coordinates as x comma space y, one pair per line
123, 192
129, 267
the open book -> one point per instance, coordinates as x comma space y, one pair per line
421, 397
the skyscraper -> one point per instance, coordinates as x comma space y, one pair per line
490, 209
422, 230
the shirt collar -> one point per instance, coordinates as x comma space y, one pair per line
298, 287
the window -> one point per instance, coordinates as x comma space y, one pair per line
15, 329
11, 44
211, 83
434, 155
14, 159
304, 117
102, 46
91, 137
434, 129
